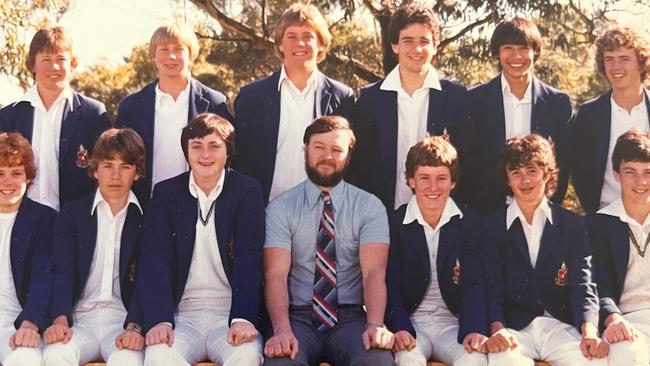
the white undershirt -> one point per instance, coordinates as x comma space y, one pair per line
621, 122
102, 288
412, 116
45, 143
534, 231
636, 288
8, 295
296, 113
515, 111
170, 119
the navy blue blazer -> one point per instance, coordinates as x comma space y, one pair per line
610, 243
80, 126
168, 245
257, 121
138, 111
550, 116
74, 243
590, 145
374, 160
31, 260
409, 272
517, 292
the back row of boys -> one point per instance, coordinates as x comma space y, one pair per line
270, 116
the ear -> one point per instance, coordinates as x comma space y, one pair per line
617, 176
73, 63
411, 182
453, 185
95, 175
395, 48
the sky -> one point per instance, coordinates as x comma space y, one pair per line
107, 30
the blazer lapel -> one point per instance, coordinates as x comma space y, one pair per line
198, 104
322, 98
646, 95
271, 113
87, 243
602, 126
435, 125
130, 236
447, 242
550, 236
518, 239
20, 236
620, 242
69, 125
387, 134
188, 207
223, 216
147, 119
538, 110
26, 127
496, 116
415, 236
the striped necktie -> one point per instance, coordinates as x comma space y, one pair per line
325, 299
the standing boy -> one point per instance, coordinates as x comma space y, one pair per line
436, 289
514, 103
623, 57
412, 102
159, 111
542, 303
61, 124
96, 245
272, 113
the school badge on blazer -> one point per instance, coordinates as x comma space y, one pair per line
562, 276
82, 157
455, 278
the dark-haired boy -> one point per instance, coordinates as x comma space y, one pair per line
436, 289
542, 303
61, 124
619, 236
412, 102
96, 246
623, 57
514, 103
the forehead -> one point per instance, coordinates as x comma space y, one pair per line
335, 138
211, 137
432, 170
635, 165
299, 29
416, 30
115, 158
621, 51
171, 42
6, 167
54, 51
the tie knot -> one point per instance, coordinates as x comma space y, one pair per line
325, 196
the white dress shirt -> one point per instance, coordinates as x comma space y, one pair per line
533, 232
170, 119
516, 111
207, 284
8, 296
636, 288
621, 122
102, 288
296, 113
432, 303
412, 115
45, 143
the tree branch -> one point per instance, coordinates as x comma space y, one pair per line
445, 42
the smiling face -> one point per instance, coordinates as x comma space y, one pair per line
634, 177
53, 70
528, 184
432, 186
415, 48
622, 68
300, 46
516, 61
13, 185
172, 60
207, 157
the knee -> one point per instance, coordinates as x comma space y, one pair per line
24, 357
125, 358
472, 359
245, 354
60, 354
410, 358
282, 361
158, 354
508, 358
374, 357
628, 353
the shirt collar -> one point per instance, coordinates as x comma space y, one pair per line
617, 209
413, 213
617, 107
310, 82
312, 193
195, 190
99, 198
392, 82
32, 96
161, 94
505, 89
513, 212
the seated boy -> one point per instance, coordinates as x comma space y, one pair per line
200, 276
25, 252
61, 124
96, 244
433, 305
619, 237
537, 262
160, 110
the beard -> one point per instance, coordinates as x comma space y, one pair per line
325, 180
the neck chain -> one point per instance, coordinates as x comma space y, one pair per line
207, 217
636, 243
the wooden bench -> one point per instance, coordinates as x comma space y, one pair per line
431, 363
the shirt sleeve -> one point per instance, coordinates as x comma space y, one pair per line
374, 228
278, 233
